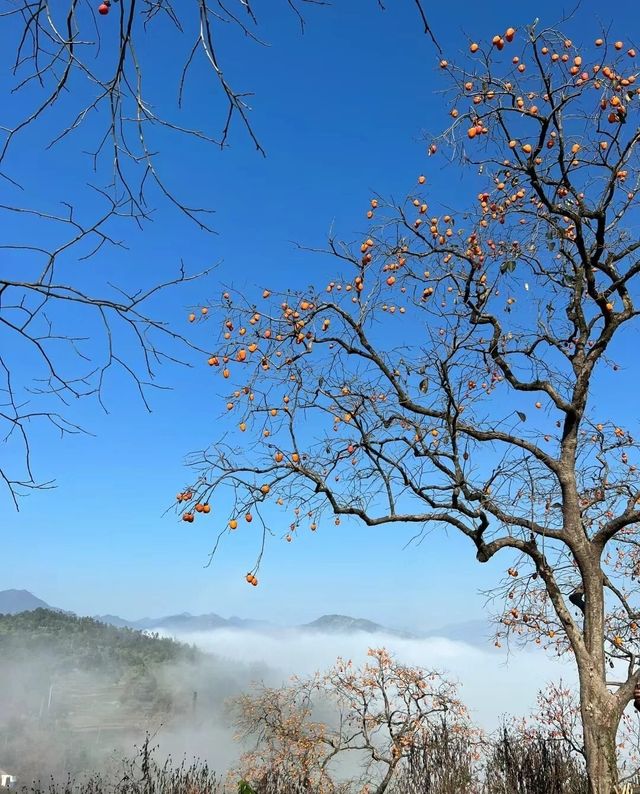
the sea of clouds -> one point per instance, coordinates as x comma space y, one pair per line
493, 682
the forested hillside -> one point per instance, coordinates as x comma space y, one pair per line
75, 692
86, 642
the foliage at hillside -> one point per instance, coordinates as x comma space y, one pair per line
74, 690
87, 643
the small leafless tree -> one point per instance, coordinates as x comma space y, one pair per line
384, 717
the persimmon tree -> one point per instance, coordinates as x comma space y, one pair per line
445, 374
379, 715
82, 85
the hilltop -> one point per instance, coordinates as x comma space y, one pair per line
85, 642
342, 624
12, 602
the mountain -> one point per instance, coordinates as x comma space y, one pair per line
343, 624
186, 622
13, 602
249, 623
473, 632
114, 620
183, 622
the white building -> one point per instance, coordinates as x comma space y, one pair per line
7, 780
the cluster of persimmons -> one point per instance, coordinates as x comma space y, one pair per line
271, 341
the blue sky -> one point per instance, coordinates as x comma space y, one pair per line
341, 112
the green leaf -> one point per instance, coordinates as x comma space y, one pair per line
508, 267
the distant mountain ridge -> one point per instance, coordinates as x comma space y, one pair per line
334, 624
185, 621
474, 632
13, 602
341, 624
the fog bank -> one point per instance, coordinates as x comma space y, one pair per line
493, 682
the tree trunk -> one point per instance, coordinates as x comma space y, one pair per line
599, 728
600, 715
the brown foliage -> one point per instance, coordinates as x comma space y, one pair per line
382, 721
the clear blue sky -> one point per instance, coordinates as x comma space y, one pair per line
340, 112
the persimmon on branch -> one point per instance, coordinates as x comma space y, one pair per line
447, 375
